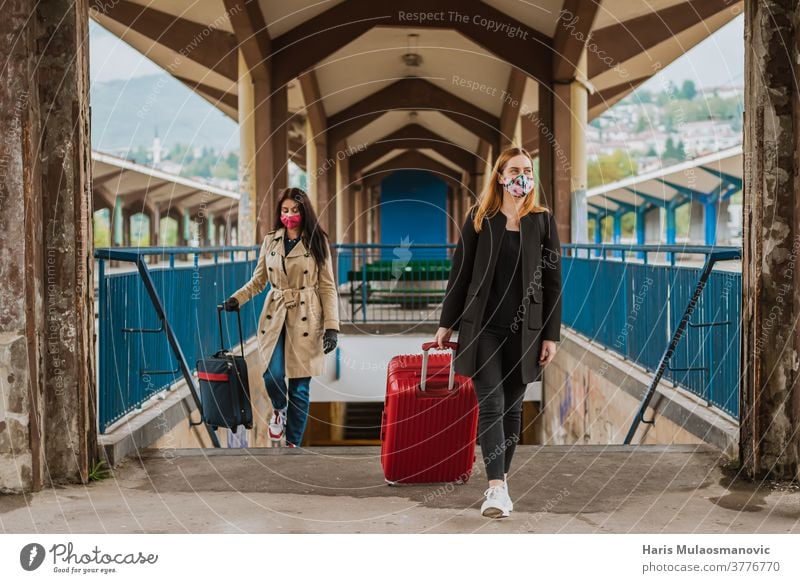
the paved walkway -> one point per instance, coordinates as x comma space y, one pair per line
556, 489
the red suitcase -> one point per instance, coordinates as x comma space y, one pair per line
430, 420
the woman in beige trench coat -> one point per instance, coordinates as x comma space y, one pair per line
300, 319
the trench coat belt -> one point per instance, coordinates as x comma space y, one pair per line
290, 295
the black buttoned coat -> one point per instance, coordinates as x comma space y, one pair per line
470, 280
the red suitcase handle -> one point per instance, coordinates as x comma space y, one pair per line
424, 374
434, 344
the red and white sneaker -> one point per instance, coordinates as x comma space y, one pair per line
277, 426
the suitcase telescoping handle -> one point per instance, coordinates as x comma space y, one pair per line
220, 308
427, 346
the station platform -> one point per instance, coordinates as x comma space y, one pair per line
556, 489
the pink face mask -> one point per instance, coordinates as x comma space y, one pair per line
291, 221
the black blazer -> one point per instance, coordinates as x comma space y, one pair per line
470, 279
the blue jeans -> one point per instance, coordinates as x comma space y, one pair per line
298, 393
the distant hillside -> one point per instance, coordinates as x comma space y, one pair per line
126, 113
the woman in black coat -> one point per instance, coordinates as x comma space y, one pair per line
504, 298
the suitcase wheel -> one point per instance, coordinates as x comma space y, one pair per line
390, 483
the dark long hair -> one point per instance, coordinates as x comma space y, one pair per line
314, 236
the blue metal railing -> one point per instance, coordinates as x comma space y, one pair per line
634, 307
135, 359
628, 304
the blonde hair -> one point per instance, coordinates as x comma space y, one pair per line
491, 197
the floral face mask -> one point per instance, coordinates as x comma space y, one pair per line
519, 185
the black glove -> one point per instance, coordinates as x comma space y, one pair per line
329, 340
231, 304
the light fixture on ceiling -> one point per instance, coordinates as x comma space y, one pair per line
412, 58
412, 116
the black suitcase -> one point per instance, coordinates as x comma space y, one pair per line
224, 386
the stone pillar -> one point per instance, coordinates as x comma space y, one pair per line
47, 406
248, 207
769, 392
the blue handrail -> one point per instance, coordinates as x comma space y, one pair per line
638, 308
137, 361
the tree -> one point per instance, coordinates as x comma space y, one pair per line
688, 90
674, 152
610, 167
680, 151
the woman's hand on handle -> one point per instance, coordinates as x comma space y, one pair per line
442, 336
548, 352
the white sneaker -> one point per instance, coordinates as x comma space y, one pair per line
510, 501
497, 503
277, 425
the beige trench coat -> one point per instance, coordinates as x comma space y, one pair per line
302, 296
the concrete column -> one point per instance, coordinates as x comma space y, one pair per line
356, 217
545, 191
344, 203
769, 390
318, 181
329, 168
370, 216
362, 214
126, 226
47, 404
696, 222
117, 236
652, 226
571, 110
378, 207
155, 227
723, 229
449, 214
279, 145
248, 208
219, 227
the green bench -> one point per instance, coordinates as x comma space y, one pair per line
405, 291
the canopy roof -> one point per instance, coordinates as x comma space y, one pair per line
343, 60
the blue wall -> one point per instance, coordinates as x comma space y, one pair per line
413, 207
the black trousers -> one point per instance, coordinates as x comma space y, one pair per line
500, 390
